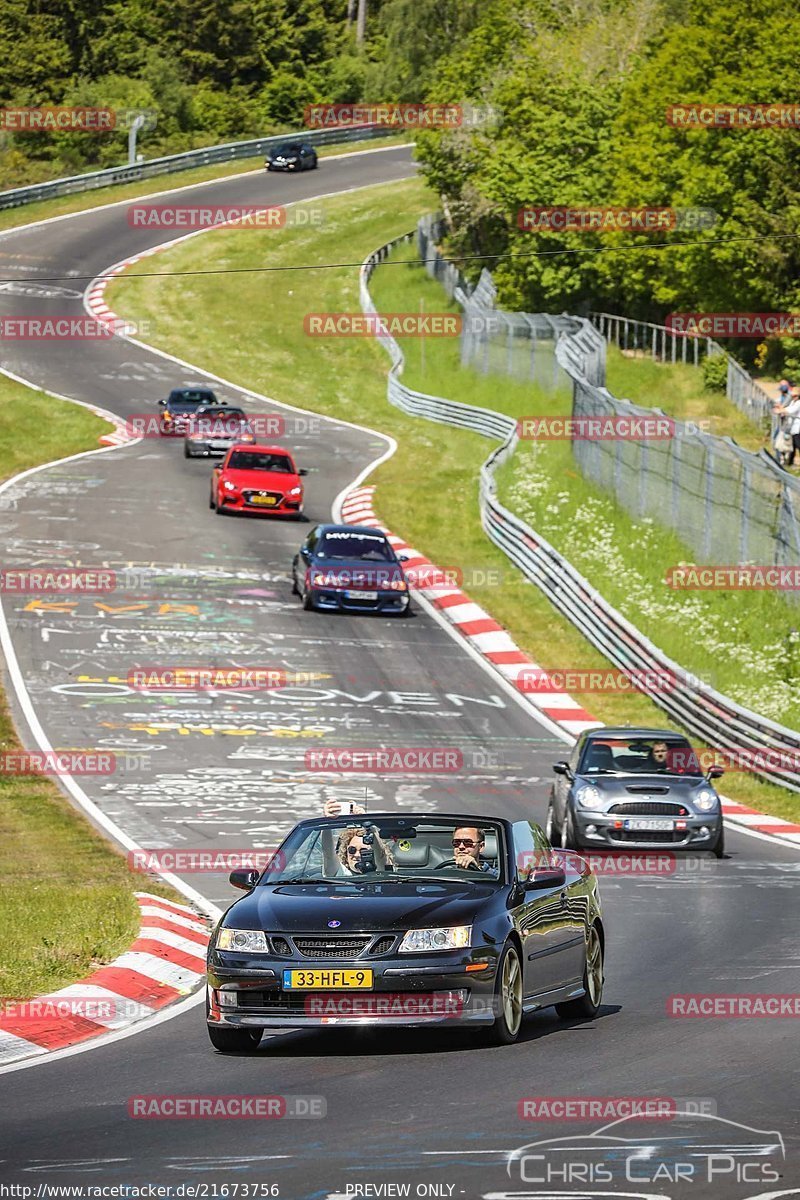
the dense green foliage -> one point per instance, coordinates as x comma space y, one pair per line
583, 89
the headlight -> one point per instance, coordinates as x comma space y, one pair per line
229, 487
398, 585
456, 937
248, 940
295, 491
588, 796
705, 800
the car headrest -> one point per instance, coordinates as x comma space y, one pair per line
490, 847
413, 853
599, 757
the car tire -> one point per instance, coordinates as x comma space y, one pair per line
212, 504
569, 838
587, 1005
230, 1040
308, 600
295, 588
186, 453
551, 829
718, 849
507, 998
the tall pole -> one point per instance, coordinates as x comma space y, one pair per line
361, 25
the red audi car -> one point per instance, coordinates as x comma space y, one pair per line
257, 479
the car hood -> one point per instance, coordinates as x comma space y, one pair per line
659, 787
261, 480
308, 908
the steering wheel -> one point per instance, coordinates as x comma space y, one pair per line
451, 862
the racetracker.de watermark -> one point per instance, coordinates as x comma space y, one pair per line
88, 581
70, 329
255, 215
734, 324
732, 578
596, 429
398, 324
368, 760
189, 862
770, 1005
216, 679
435, 1005
72, 119
401, 116
221, 1108
265, 426
733, 116
611, 1108
537, 680
620, 863
57, 762
563, 218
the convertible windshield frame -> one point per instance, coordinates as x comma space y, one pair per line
309, 854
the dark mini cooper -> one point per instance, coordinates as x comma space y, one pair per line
351, 568
406, 919
635, 789
292, 156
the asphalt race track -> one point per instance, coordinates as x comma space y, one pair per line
430, 1110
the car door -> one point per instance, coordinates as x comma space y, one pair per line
550, 928
304, 555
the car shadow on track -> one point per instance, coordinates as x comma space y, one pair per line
349, 1042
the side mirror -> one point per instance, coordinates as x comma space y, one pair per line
245, 879
303, 471
162, 404
715, 773
403, 557
562, 768
550, 877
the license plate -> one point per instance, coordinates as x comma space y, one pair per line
361, 595
263, 500
644, 824
218, 445
328, 980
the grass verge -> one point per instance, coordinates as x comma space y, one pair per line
253, 334
66, 896
63, 205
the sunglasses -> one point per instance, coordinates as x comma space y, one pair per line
457, 841
353, 851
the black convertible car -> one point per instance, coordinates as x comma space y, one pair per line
635, 789
409, 919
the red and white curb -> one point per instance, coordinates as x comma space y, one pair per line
495, 644
165, 964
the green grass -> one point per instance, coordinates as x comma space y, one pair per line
11, 218
678, 390
66, 896
252, 333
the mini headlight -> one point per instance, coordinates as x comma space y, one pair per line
456, 937
229, 487
248, 940
588, 796
705, 800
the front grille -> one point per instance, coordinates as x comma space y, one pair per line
281, 946
270, 1000
665, 836
645, 808
330, 947
382, 946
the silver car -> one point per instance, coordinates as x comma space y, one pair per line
635, 789
212, 431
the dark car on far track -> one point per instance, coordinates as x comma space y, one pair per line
350, 568
395, 932
292, 156
179, 406
635, 789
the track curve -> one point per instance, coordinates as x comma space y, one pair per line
227, 772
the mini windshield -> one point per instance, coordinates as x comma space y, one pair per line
357, 848
639, 756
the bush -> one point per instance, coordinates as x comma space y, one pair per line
715, 373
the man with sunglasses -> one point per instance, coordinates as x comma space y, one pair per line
468, 842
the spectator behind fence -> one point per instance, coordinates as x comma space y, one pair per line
791, 410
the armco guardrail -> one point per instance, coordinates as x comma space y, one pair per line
710, 716
170, 163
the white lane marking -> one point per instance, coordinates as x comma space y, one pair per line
153, 934
165, 914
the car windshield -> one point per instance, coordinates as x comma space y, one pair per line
288, 149
367, 547
403, 849
250, 460
639, 756
192, 397
183, 405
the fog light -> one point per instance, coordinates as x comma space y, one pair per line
591, 829
704, 831
227, 999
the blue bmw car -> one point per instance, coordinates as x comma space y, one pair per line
350, 568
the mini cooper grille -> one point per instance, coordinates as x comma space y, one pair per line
645, 808
330, 947
662, 836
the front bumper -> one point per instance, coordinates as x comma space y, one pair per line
424, 992
238, 504
689, 833
272, 166
335, 600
